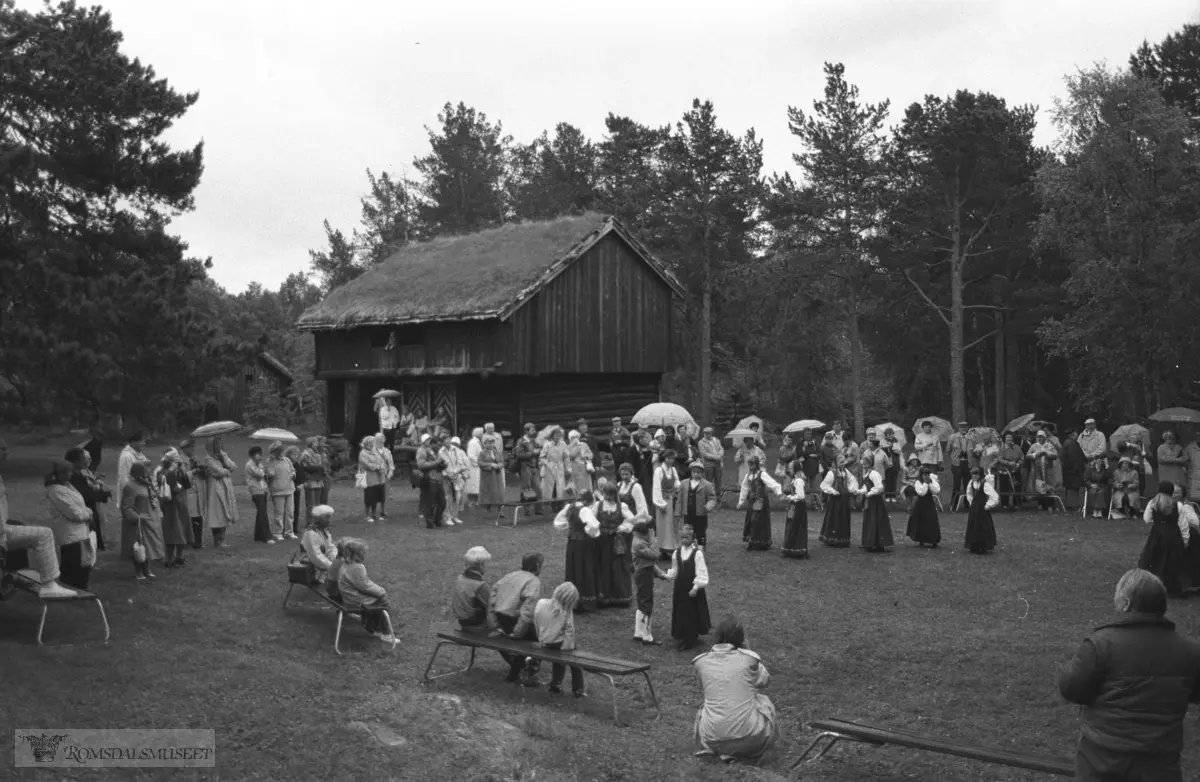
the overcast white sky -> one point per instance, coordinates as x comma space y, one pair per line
298, 98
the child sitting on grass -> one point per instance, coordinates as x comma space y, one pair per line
554, 619
359, 591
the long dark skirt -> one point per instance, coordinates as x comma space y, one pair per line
1164, 555
876, 526
981, 532
643, 580
614, 575
758, 526
795, 531
581, 570
835, 531
923, 524
689, 615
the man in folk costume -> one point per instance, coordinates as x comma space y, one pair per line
697, 499
713, 455
962, 458
1092, 441
389, 422
526, 454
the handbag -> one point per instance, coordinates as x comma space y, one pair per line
619, 547
88, 555
139, 552
301, 572
529, 495
360, 480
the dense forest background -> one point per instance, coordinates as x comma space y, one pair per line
925, 261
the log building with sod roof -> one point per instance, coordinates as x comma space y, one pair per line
542, 322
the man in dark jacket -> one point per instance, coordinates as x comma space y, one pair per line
1074, 463
1134, 678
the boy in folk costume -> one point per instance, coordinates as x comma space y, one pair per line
1125, 489
646, 554
697, 499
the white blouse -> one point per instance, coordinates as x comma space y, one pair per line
591, 525
626, 514
993, 499
1186, 520
767, 480
660, 498
922, 488
827, 484
877, 487
701, 580
634, 489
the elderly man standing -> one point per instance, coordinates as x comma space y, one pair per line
713, 454
527, 454
39, 541
1092, 441
1134, 678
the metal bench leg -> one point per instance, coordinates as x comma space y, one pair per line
833, 739
387, 619
653, 697
42, 624
104, 617
433, 657
337, 636
516, 515
613, 684
287, 594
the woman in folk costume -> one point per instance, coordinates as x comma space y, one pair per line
1165, 552
876, 526
1097, 478
1172, 464
1125, 483
689, 603
748, 451
630, 492
582, 529
666, 490
1191, 520
491, 476
220, 502
1041, 458
981, 498
756, 531
580, 464
795, 529
839, 488
474, 448
614, 572
923, 524
697, 499
141, 520
554, 458
172, 483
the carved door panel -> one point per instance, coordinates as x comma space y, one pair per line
444, 403
416, 398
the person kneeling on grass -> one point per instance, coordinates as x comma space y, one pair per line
469, 601
554, 619
510, 610
1134, 678
359, 591
737, 721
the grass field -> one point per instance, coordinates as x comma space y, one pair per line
937, 641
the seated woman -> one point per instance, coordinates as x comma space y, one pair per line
359, 591
316, 544
1126, 495
71, 520
737, 721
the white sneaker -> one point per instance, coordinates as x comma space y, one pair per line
370, 520
271, 542
55, 590
388, 639
291, 536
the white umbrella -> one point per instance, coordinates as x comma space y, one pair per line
662, 414
544, 435
748, 420
217, 428
386, 392
941, 427
1129, 432
800, 426
901, 437
270, 434
741, 434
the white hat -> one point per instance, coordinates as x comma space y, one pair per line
455, 441
1041, 433
1089, 421
425, 437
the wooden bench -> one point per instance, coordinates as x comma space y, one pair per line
29, 581
608, 667
835, 730
343, 612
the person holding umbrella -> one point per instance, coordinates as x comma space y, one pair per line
219, 502
389, 420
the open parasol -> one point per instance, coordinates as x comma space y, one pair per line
271, 434
544, 435
217, 428
1019, 423
661, 414
748, 420
390, 393
981, 434
1129, 432
941, 427
1179, 415
801, 425
1046, 425
897, 431
740, 434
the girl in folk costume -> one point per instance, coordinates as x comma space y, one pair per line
795, 531
554, 458
697, 499
666, 489
839, 488
1097, 478
876, 526
582, 529
1189, 520
909, 479
580, 462
1165, 552
689, 603
853, 461
491, 476
646, 554
219, 501
981, 498
756, 531
923, 524
1125, 483
614, 577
